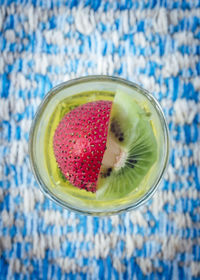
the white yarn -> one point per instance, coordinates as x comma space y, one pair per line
184, 111
145, 265
136, 217
118, 265
5, 243
84, 21
10, 35
28, 200
161, 21
15, 265
196, 84
7, 218
4, 111
1, 65
195, 268
139, 40
55, 36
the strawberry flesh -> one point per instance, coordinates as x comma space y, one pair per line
80, 142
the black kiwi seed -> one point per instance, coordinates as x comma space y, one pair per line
109, 169
107, 173
132, 163
115, 128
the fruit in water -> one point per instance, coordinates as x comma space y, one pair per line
80, 141
131, 149
106, 147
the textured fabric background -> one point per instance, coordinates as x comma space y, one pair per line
157, 45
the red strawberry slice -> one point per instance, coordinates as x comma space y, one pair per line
80, 142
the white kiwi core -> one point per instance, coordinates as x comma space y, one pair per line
114, 157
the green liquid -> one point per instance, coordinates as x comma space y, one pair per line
59, 184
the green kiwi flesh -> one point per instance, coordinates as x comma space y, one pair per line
131, 129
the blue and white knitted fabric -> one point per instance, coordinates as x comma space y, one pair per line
157, 45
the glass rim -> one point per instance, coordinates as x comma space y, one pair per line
101, 212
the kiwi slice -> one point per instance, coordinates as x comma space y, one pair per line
131, 149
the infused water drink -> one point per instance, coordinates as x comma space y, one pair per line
99, 145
